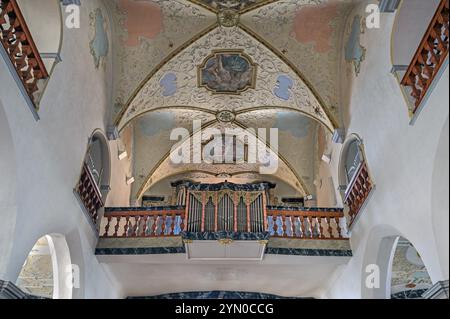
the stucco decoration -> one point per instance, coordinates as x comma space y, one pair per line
238, 5
169, 26
184, 65
227, 72
316, 55
228, 18
355, 53
99, 44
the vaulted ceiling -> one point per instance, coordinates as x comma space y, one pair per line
265, 63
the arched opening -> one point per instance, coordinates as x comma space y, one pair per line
47, 271
8, 191
94, 183
355, 182
99, 163
409, 277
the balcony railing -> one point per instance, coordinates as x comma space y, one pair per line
89, 194
142, 222
314, 223
430, 56
358, 192
20, 47
301, 223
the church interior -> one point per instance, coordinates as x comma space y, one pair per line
224, 149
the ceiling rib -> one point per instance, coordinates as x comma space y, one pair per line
161, 65
281, 157
283, 58
175, 107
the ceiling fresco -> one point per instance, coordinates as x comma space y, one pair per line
189, 93
252, 63
238, 5
308, 34
147, 33
168, 168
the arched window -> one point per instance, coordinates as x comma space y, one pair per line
93, 185
46, 269
353, 160
356, 183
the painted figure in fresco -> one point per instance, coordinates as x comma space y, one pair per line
227, 73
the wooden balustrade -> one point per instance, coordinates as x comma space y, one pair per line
126, 222
89, 194
306, 224
20, 47
358, 192
430, 56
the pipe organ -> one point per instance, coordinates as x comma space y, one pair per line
224, 207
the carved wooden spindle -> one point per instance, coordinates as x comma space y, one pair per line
338, 227
108, 219
320, 221
174, 216
275, 225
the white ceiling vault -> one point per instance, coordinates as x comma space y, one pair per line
165, 48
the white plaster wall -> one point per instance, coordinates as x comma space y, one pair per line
404, 161
413, 19
49, 156
44, 19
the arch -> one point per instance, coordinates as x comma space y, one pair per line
355, 181
294, 180
377, 262
352, 154
93, 185
8, 191
98, 159
48, 271
380, 264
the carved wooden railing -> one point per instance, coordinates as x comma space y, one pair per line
20, 47
358, 192
142, 222
89, 194
430, 56
304, 223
